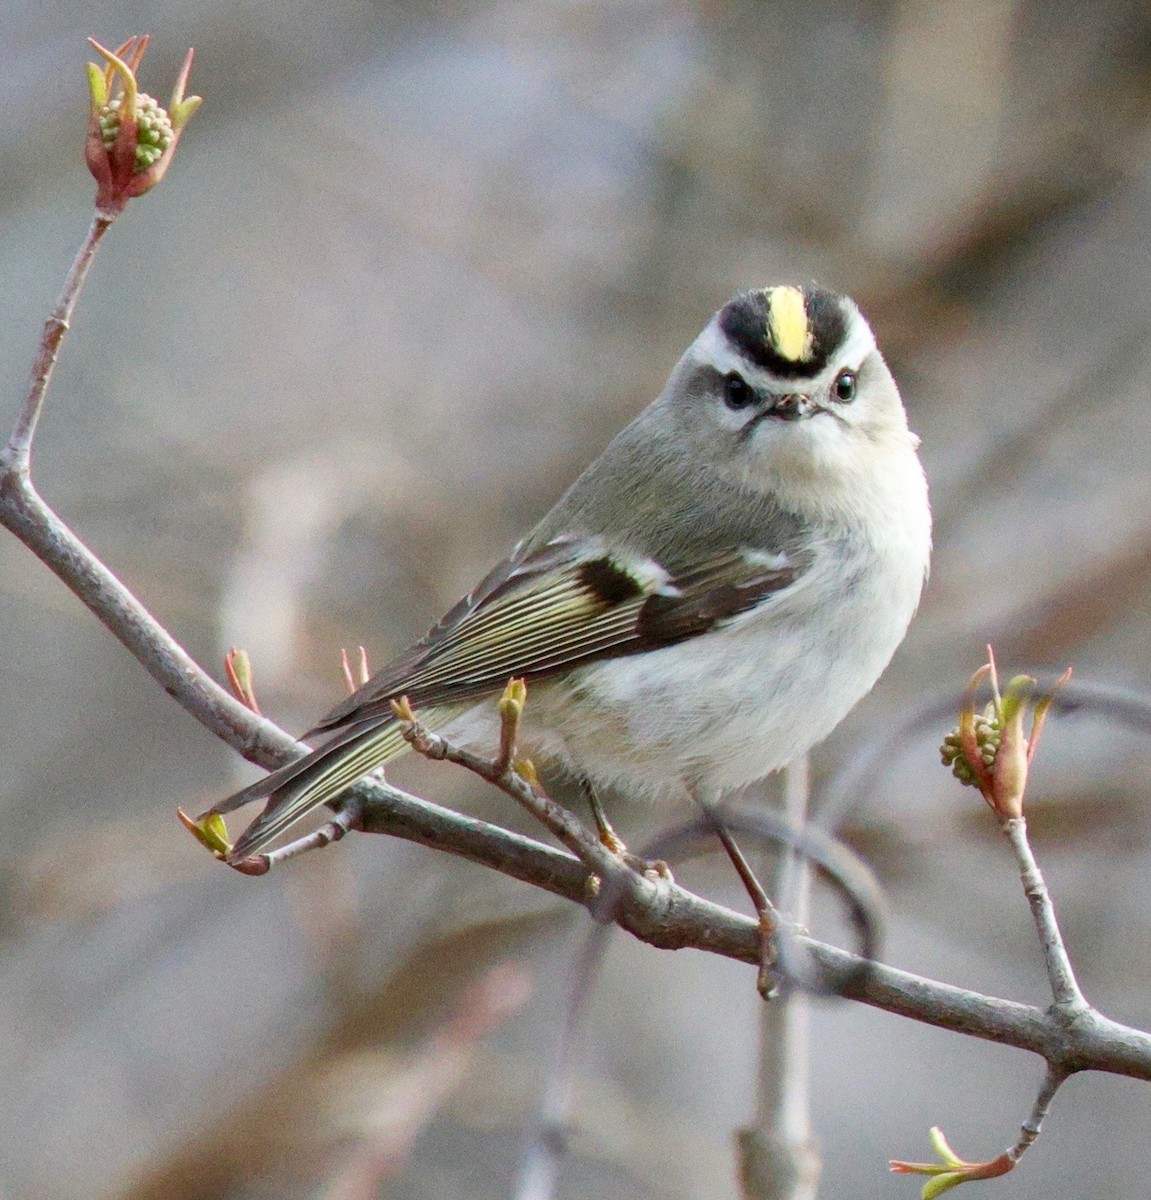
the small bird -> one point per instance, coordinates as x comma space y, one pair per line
705, 603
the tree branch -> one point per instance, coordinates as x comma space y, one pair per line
518, 780
18, 453
1061, 975
778, 1150
1053, 1080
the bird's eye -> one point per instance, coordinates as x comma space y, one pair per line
843, 389
737, 393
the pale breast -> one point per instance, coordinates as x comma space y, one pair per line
724, 709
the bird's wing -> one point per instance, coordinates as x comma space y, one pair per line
565, 604
570, 602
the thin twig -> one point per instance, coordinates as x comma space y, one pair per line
518, 781
1061, 975
25, 513
1053, 1080
347, 819
18, 453
950, 1170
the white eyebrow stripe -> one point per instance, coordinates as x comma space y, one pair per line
858, 344
715, 347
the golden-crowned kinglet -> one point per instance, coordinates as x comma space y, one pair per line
705, 603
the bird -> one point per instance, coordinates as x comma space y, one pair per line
702, 606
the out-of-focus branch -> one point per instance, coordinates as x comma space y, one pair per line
387, 1132
778, 1151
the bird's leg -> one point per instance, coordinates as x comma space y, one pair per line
612, 841
766, 912
607, 834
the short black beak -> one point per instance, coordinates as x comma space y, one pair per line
791, 407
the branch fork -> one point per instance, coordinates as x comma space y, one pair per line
994, 754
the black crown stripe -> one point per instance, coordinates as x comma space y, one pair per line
744, 319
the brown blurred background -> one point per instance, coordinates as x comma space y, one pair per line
413, 265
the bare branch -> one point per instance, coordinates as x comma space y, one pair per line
1064, 986
25, 514
1053, 1080
547, 1140
663, 915
16, 456
519, 781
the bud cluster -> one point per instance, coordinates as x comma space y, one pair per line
153, 128
130, 139
988, 733
992, 750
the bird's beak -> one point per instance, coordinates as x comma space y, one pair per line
791, 407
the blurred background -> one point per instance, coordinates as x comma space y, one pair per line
413, 266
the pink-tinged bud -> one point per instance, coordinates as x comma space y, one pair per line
968, 733
1009, 772
238, 668
993, 751
209, 830
131, 139
951, 1170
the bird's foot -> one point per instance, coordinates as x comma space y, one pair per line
654, 869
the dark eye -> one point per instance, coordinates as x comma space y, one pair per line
737, 392
843, 389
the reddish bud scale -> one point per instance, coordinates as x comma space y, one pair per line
131, 139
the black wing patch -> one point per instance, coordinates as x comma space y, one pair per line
665, 619
609, 581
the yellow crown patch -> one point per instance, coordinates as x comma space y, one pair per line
787, 326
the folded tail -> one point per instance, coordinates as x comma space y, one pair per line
293, 791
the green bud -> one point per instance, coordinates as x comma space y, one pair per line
153, 129
987, 736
